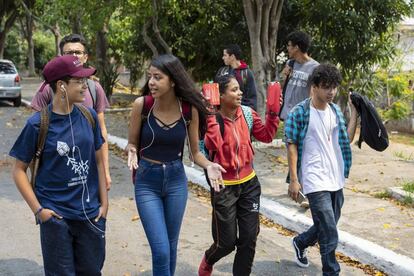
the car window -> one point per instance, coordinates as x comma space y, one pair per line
7, 68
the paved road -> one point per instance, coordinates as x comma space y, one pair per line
127, 248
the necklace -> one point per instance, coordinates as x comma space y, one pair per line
327, 130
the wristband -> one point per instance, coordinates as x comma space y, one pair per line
36, 214
38, 211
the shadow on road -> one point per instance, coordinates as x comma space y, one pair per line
18, 267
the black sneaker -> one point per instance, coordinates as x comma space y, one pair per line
300, 255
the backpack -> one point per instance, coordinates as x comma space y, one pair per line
225, 70
91, 89
373, 131
41, 139
291, 63
148, 103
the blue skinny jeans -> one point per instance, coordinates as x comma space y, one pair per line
161, 197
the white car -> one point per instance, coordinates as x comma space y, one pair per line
10, 88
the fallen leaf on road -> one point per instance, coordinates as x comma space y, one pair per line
381, 209
379, 274
126, 274
387, 225
134, 218
408, 225
124, 245
9, 124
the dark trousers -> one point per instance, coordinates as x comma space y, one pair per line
326, 211
236, 207
72, 247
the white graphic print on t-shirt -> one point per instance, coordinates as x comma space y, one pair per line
80, 168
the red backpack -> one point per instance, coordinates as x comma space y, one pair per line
148, 103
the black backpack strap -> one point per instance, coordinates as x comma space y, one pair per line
291, 63
220, 121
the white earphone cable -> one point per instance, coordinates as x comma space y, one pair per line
82, 175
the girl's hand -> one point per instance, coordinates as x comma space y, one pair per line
132, 157
214, 174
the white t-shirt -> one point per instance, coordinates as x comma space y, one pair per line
322, 167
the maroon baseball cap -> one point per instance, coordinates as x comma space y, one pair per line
66, 65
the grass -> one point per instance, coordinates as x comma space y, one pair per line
408, 187
383, 195
402, 138
401, 155
408, 201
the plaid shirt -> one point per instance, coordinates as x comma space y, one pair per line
296, 126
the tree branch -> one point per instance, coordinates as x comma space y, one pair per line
147, 39
156, 29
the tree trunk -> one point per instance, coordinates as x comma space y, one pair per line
30, 55
263, 22
76, 23
6, 28
56, 33
101, 50
30, 44
2, 43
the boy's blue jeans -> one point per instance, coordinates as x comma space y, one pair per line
326, 211
161, 197
72, 247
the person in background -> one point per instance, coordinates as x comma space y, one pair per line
75, 44
232, 58
296, 76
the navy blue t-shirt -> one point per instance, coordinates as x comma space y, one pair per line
66, 169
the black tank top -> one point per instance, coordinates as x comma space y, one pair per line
168, 141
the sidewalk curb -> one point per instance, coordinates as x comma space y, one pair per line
365, 251
399, 194
25, 103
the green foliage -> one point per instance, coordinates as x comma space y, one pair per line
16, 48
358, 36
353, 33
196, 31
44, 49
408, 187
108, 78
383, 195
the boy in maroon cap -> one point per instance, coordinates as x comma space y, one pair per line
69, 198
75, 45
